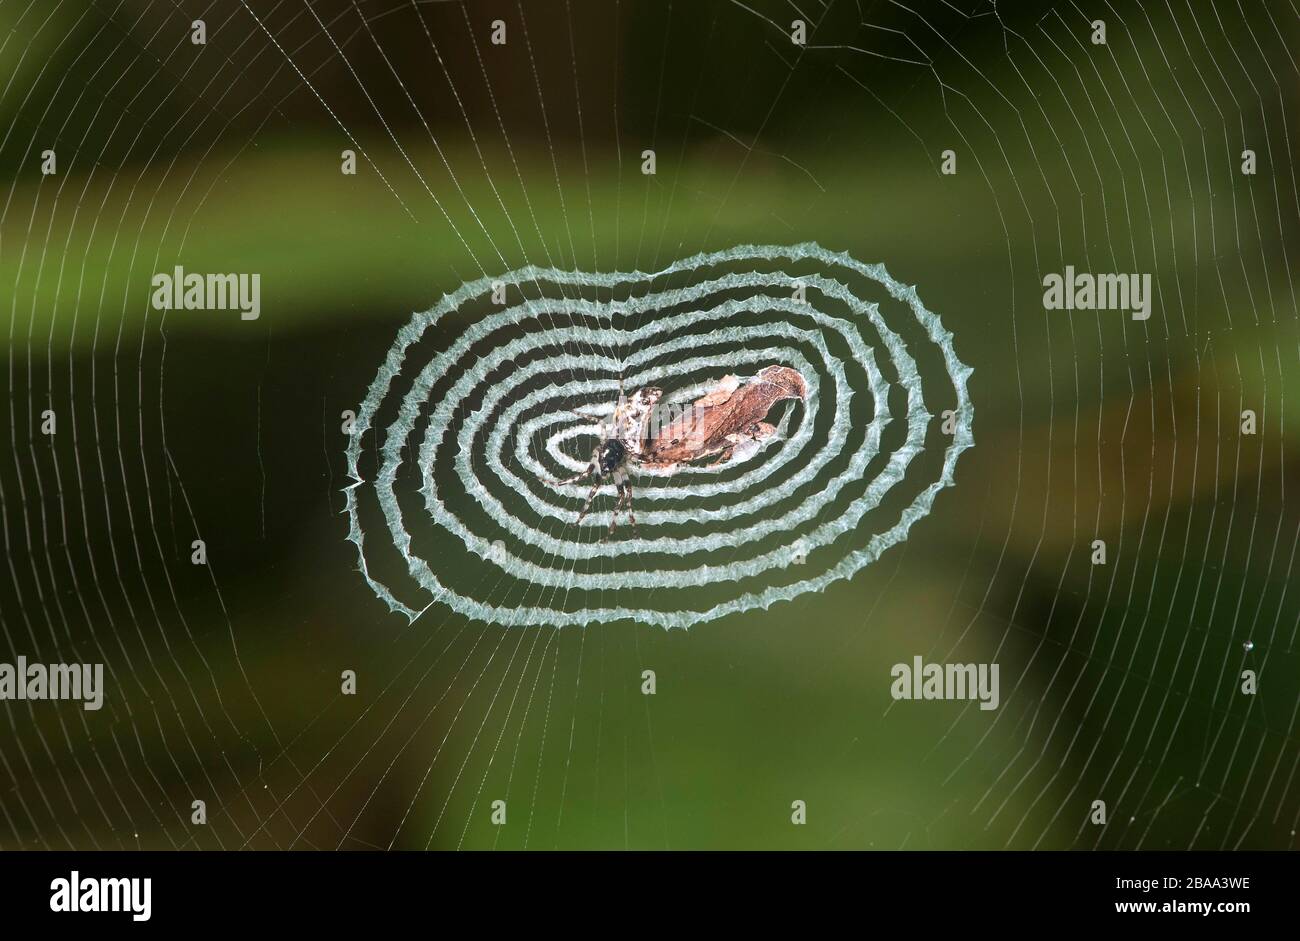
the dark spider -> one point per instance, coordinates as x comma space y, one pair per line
621, 443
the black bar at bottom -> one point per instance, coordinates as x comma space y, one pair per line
306, 891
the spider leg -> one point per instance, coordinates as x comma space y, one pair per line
624, 488
613, 517
585, 417
631, 513
595, 488
572, 480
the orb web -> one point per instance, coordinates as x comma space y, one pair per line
458, 455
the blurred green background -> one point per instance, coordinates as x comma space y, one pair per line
1119, 682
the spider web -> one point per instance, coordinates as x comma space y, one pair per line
1120, 681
